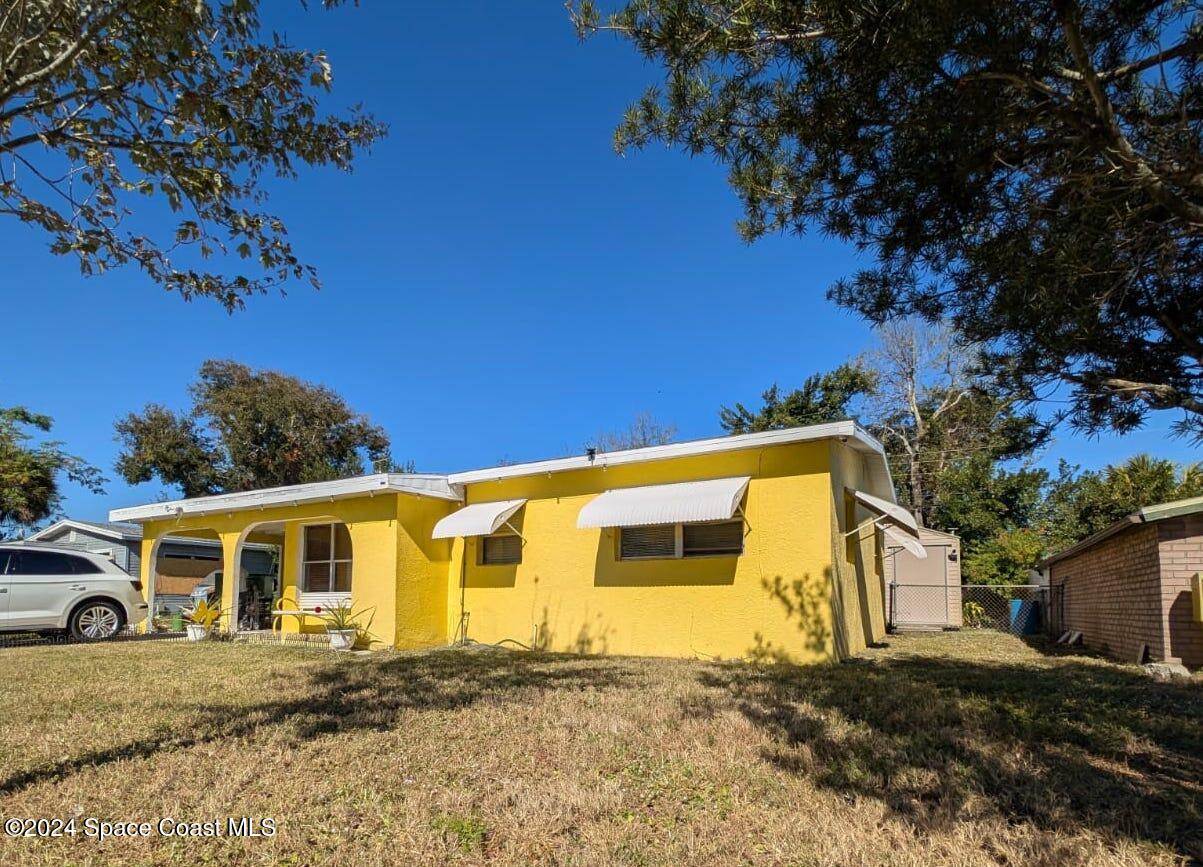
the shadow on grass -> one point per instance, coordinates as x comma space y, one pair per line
356, 695
1063, 745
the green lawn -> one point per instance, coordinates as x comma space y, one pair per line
941, 749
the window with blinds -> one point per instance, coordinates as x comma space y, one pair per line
643, 543
500, 550
326, 563
706, 540
674, 541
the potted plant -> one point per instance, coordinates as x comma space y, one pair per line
342, 625
201, 619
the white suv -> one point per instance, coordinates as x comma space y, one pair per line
44, 588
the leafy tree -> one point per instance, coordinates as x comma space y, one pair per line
822, 397
104, 103
1007, 557
644, 431
980, 499
1031, 170
1081, 503
29, 474
248, 429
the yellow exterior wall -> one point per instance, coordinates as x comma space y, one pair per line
858, 588
571, 593
392, 577
798, 592
422, 563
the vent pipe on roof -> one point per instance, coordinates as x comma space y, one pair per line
591, 454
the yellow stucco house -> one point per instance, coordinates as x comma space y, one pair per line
766, 545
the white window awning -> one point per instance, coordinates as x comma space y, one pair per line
479, 519
910, 543
891, 511
711, 500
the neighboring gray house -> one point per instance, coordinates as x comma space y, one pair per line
122, 543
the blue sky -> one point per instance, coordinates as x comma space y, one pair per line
498, 284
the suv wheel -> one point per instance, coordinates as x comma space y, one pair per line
96, 620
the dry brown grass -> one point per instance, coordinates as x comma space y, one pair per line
945, 749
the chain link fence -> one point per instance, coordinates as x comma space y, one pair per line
1027, 609
925, 606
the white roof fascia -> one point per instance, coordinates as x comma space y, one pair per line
381, 483
910, 543
857, 436
893, 511
67, 523
678, 503
478, 519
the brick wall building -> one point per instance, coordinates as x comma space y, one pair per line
1181, 546
1127, 589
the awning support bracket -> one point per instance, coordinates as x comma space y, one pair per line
859, 528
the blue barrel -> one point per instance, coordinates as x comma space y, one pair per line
1025, 616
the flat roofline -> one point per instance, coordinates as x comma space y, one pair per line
419, 484
849, 430
450, 487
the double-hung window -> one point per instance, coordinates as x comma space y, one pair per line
326, 567
678, 541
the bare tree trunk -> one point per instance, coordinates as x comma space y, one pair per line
916, 487
921, 380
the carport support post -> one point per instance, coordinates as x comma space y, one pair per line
230, 570
146, 570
